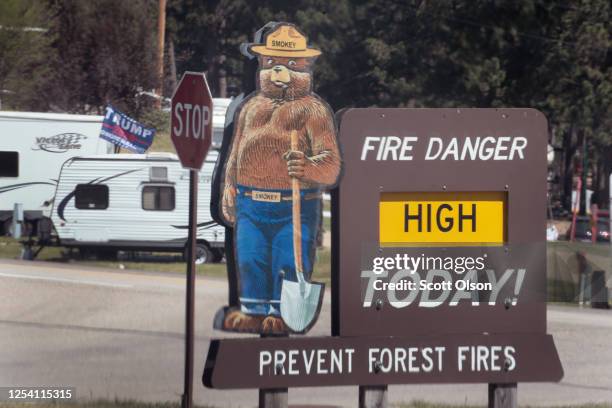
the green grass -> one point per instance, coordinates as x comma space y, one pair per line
326, 220
162, 143
598, 249
322, 269
562, 291
11, 249
156, 262
162, 262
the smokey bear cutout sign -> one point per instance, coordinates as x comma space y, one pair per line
283, 155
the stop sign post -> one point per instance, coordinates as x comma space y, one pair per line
191, 134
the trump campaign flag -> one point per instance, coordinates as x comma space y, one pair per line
125, 132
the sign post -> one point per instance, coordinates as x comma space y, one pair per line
191, 134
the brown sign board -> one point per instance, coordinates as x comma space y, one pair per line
438, 259
411, 160
327, 361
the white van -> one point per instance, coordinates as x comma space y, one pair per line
33, 147
137, 202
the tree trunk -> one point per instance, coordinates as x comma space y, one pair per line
211, 71
172, 63
584, 172
607, 170
222, 77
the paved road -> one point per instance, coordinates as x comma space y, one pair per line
117, 334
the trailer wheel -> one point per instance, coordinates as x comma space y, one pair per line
218, 254
203, 254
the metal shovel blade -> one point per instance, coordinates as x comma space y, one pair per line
300, 303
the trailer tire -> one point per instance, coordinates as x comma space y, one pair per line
218, 254
203, 254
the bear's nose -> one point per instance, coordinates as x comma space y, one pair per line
277, 68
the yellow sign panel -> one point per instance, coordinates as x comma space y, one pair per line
447, 218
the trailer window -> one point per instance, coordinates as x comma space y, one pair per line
9, 164
158, 198
91, 197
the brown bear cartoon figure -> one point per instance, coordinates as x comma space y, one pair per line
259, 189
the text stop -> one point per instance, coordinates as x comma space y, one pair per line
191, 120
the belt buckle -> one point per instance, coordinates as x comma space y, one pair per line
266, 196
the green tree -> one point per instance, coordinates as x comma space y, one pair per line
25, 55
106, 52
493, 53
207, 37
578, 95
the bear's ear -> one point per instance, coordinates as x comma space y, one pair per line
258, 38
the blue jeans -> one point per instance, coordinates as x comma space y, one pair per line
264, 247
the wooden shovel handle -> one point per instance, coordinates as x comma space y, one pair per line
296, 214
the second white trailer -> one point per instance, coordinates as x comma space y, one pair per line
134, 202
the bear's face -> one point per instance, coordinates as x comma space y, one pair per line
285, 78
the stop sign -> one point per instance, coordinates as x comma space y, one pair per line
191, 124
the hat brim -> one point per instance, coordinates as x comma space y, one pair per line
263, 50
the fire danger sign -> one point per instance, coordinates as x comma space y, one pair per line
451, 232
438, 259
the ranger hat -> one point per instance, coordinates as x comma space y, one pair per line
285, 41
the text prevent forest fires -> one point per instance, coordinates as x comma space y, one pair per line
409, 359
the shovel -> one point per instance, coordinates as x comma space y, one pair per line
300, 301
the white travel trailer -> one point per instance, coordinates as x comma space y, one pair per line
134, 202
33, 147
